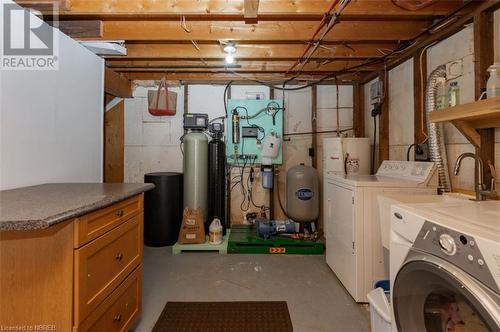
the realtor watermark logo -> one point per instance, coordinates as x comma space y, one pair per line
27, 42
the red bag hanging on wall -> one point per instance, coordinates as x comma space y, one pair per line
162, 102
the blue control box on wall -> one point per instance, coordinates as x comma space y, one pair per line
250, 122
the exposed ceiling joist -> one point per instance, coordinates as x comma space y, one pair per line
80, 29
116, 84
264, 31
250, 11
242, 66
224, 77
268, 52
430, 38
157, 42
235, 9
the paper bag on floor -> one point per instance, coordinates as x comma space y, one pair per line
192, 228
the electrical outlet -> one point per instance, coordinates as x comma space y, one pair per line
422, 152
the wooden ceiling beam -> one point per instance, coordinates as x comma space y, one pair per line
79, 29
44, 6
225, 77
235, 9
268, 31
441, 34
251, 11
211, 52
117, 84
239, 66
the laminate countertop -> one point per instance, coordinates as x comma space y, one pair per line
45, 205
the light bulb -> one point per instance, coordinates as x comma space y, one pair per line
229, 48
229, 59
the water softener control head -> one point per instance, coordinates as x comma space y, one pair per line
236, 127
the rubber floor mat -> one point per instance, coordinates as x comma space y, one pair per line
224, 317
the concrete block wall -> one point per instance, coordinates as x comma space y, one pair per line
401, 111
152, 143
296, 150
459, 47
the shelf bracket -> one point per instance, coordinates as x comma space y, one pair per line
469, 132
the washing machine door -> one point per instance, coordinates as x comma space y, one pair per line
430, 294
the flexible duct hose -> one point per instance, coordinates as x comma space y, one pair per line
437, 147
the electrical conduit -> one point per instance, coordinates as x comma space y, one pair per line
318, 29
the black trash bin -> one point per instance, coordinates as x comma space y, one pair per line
163, 209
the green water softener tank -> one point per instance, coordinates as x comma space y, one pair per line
302, 202
195, 146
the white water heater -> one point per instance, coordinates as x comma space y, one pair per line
346, 155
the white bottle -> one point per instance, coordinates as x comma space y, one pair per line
493, 84
215, 232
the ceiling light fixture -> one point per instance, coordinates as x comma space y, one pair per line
230, 49
229, 59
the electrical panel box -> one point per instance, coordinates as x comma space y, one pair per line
251, 121
376, 92
250, 132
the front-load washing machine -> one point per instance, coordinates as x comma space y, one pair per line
351, 219
445, 266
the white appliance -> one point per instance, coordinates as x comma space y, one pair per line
445, 266
349, 155
351, 219
385, 203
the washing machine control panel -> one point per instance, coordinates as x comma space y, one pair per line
418, 171
447, 244
456, 248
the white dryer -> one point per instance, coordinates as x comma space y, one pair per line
351, 219
445, 266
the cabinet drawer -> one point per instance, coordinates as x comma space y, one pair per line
119, 310
103, 264
95, 224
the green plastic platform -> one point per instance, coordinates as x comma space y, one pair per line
244, 240
221, 248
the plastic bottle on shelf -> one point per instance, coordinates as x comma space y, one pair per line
454, 94
493, 84
441, 94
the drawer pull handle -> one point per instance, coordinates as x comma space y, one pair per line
117, 318
119, 213
119, 256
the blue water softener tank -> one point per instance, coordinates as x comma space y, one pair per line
302, 202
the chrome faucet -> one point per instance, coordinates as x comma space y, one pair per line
481, 193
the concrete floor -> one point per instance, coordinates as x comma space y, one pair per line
316, 299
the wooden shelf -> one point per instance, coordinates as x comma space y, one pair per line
470, 117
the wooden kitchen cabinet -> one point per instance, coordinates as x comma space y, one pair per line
80, 275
